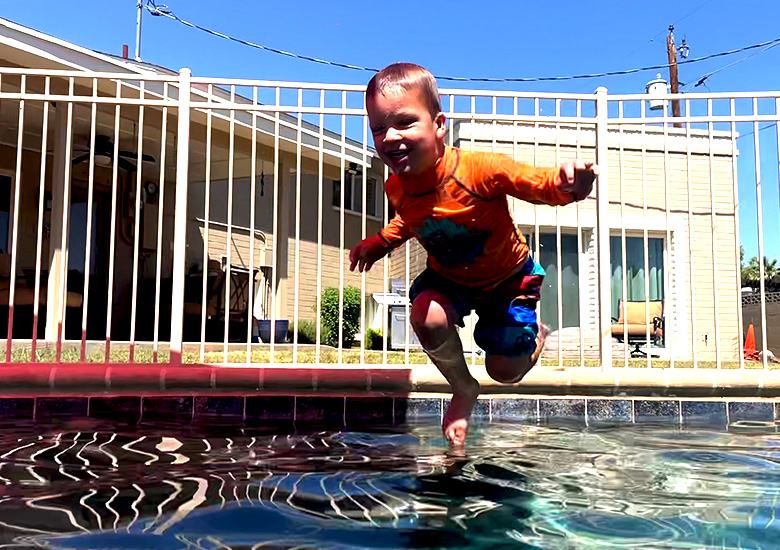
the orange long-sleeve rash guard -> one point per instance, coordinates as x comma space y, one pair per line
458, 211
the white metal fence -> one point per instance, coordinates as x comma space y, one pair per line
143, 224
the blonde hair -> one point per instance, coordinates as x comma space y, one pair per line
406, 76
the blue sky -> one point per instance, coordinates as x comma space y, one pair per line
502, 38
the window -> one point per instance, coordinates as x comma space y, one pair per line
353, 195
567, 272
635, 269
5, 212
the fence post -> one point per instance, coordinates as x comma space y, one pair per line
602, 230
180, 217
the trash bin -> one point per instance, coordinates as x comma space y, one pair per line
264, 331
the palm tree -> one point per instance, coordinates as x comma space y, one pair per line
751, 273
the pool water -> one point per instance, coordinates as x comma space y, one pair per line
87, 484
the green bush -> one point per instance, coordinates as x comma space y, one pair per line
373, 340
307, 332
329, 316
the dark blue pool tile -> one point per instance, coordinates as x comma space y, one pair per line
740, 411
482, 409
123, 409
276, 408
519, 409
704, 413
17, 407
777, 411
165, 408
400, 409
221, 406
46, 407
662, 411
562, 409
424, 408
369, 410
320, 410
609, 410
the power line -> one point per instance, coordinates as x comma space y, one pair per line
164, 11
680, 20
703, 78
751, 132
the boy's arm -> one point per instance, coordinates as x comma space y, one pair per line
499, 175
395, 233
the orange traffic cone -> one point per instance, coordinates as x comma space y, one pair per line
750, 351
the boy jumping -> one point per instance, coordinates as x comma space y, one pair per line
455, 203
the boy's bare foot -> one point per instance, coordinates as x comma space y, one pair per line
456, 419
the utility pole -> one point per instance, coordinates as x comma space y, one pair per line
140, 6
672, 52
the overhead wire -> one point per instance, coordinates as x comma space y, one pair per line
165, 11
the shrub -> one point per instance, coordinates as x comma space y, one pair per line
307, 332
329, 316
373, 340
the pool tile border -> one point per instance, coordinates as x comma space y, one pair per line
369, 411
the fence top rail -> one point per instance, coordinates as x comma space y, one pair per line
150, 76
146, 76
696, 96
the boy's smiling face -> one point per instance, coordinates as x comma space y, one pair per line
406, 136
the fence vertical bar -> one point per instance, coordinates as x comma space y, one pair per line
342, 221
112, 236
227, 268
737, 237
62, 276
88, 244
41, 207
160, 220
320, 183
691, 270
714, 228
296, 297
602, 227
15, 224
669, 312
645, 237
137, 224
581, 281
363, 229
180, 217
623, 258
252, 213
206, 223
760, 216
275, 228
558, 240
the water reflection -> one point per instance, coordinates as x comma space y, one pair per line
92, 485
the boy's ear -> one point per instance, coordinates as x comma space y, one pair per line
441, 125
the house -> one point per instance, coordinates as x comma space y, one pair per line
683, 202
104, 259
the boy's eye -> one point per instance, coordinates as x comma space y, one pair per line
377, 130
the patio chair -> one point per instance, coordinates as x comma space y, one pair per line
635, 326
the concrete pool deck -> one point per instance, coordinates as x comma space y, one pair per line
40, 379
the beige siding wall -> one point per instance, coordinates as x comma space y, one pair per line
334, 258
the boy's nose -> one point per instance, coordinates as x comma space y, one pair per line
392, 134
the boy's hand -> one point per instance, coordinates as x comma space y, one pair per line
577, 178
365, 253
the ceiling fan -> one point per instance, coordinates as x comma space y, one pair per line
104, 155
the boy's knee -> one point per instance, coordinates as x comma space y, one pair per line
508, 370
430, 314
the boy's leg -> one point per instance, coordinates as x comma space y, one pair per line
510, 370
434, 319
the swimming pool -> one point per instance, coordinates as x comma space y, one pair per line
86, 483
